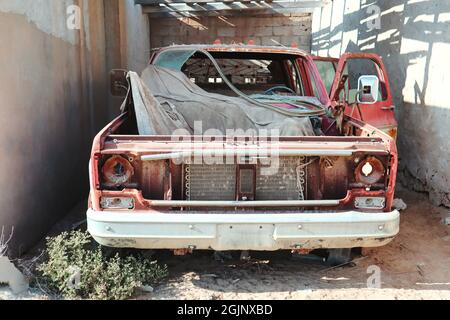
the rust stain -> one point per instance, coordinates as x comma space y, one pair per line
117, 171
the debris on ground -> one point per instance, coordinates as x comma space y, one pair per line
147, 289
245, 255
420, 269
9, 274
352, 263
222, 256
4, 242
399, 204
308, 258
217, 297
327, 279
447, 221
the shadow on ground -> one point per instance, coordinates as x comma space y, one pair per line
414, 265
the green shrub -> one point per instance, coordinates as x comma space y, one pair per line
77, 268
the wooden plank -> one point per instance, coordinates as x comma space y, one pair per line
158, 2
235, 13
218, 6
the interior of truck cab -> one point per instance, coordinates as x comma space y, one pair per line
276, 79
259, 74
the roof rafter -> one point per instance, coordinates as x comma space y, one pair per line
178, 8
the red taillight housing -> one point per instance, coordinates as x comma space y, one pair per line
369, 171
117, 171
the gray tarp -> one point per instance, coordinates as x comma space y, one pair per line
166, 100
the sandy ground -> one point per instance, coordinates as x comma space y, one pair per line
416, 265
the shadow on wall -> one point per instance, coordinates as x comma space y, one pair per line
262, 30
414, 41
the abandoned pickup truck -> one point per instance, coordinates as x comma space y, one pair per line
234, 147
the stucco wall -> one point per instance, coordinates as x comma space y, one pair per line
54, 95
414, 41
263, 30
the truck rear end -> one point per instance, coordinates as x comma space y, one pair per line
331, 187
327, 192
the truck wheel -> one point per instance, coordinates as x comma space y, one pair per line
338, 257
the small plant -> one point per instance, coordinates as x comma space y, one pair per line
77, 268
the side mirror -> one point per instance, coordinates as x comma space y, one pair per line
119, 82
368, 87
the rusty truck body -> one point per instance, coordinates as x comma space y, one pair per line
168, 174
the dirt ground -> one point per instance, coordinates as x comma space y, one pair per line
416, 265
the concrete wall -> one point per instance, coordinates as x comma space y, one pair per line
414, 41
263, 30
54, 95
135, 35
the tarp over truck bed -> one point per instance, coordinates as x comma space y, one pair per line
165, 100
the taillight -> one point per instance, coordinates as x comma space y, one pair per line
117, 171
369, 171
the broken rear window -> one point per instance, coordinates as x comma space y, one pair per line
256, 75
251, 73
264, 77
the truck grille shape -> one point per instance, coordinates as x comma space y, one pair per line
218, 182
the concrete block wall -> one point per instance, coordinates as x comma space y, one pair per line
54, 97
414, 40
263, 30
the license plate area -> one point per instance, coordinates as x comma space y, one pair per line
253, 235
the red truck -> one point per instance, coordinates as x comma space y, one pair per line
235, 147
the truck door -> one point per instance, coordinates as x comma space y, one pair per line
347, 79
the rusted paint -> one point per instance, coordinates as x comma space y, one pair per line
379, 114
117, 171
182, 252
303, 251
334, 174
377, 171
153, 176
164, 181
